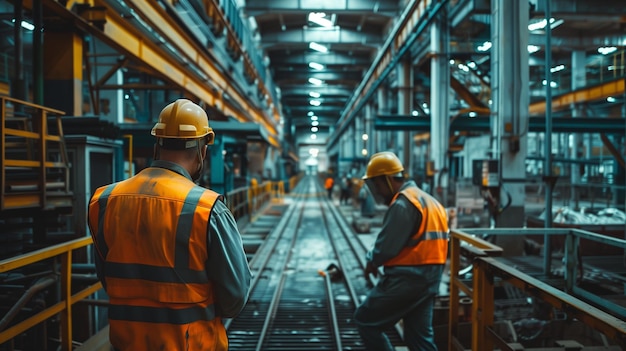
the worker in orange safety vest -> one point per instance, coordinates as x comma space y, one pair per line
167, 251
328, 185
412, 248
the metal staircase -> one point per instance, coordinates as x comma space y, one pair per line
34, 163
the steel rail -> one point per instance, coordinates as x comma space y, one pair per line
269, 318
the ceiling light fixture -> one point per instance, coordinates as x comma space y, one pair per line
316, 66
313, 118
532, 48
541, 24
314, 94
315, 123
607, 50
319, 18
314, 129
315, 102
557, 68
318, 47
26, 25
485, 46
315, 81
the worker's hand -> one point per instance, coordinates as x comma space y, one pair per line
370, 269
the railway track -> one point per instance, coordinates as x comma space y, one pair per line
307, 281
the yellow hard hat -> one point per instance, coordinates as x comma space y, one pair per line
383, 163
183, 119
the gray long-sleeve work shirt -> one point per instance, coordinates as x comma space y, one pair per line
399, 223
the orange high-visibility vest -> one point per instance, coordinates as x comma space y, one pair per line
328, 184
429, 245
151, 232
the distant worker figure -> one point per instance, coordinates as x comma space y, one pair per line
346, 190
167, 251
328, 185
367, 202
412, 247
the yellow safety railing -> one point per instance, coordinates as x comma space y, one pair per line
24, 139
484, 337
474, 247
486, 267
237, 201
278, 189
247, 201
63, 253
130, 154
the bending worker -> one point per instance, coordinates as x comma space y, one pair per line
167, 251
412, 246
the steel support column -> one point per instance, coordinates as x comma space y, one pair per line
63, 72
509, 112
405, 105
440, 104
579, 80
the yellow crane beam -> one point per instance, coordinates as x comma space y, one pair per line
587, 94
122, 35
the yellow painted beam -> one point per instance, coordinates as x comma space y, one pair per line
169, 29
589, 94
120, 34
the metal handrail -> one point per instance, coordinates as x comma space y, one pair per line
473, 247
485, 266
483, 335
64, 306
40, 138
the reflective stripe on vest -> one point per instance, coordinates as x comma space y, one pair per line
102, 205
161, 315
429, 245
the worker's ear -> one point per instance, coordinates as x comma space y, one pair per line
210, 138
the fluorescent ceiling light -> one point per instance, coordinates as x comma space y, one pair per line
315, 102
316, 66
533, 48
311, 113
314, 129
539, 25
314, 94
315, 123
611, 99
313, 136
485, 46
319, 18
25, 25
313, 118
317, 47
607, 50
557, 68
315, 81
553, 84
